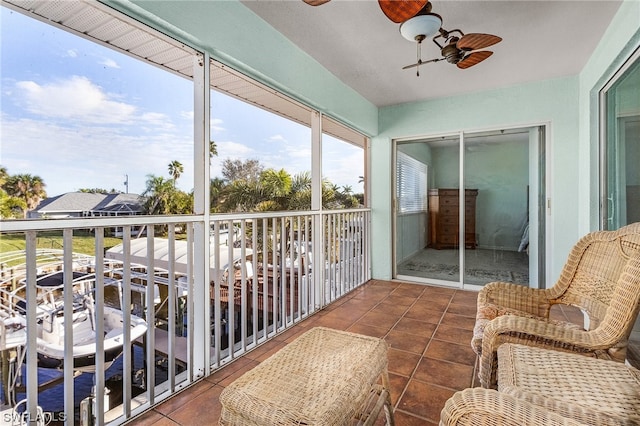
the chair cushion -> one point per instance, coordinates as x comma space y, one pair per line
535, 374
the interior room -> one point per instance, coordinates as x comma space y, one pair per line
496, 208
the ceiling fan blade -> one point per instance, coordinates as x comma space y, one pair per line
474, 41
401, 10
315, 2
421, 63
474, 59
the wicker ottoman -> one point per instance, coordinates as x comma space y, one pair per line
324, 377
573, 385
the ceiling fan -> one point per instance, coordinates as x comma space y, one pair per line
396, 10
459, 48
417, 22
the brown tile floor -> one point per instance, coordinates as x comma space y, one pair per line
428, 330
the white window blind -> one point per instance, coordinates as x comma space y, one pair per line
411, 184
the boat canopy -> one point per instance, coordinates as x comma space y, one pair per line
138, 254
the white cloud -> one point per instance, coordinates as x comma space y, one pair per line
72, 53
157, 121
92, 156
109, 63
75, 98
344, 167
277, 138
216, 125
79, 101
233, 150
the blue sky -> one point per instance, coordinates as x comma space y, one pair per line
80, 115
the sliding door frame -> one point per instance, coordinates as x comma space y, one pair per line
539, 202
607, 120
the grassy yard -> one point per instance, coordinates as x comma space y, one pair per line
83, 242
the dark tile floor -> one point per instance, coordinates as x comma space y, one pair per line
430, 358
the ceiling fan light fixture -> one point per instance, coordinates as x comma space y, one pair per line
420, 27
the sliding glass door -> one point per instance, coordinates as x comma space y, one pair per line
488, 227
427, 242
620, 151
620, 175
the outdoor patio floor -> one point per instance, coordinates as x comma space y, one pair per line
430, 358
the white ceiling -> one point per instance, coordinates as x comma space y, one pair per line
355, 41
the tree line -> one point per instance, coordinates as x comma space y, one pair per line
19, 193
245, 186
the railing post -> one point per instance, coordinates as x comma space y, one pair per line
67, 246
32, 354
318, 260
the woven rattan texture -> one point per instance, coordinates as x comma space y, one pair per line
537, 375
480, 407
323, 377
601, 276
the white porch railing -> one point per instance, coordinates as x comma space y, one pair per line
266, 272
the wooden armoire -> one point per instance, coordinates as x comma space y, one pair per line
444, 217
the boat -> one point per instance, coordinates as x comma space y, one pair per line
50, 315
13, 330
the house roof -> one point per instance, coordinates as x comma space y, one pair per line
72, 202
119, 203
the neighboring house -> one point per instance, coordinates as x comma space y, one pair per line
86, 204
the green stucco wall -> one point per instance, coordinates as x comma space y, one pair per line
621, 39
553, 102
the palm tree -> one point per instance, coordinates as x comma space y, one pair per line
276, 183
175, 170
29, 188
213, 150
158, 194
301, 182
216, 194
9, 205
242, 195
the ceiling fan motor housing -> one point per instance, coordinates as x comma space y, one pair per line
452, 53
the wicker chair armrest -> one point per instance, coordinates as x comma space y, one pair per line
477, 406
517, 297
516, 329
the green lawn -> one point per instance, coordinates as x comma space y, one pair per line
83, 242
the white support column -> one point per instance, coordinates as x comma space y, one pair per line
367, 203
316, 205
461, 212
316, 161
200, 300
367, 172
